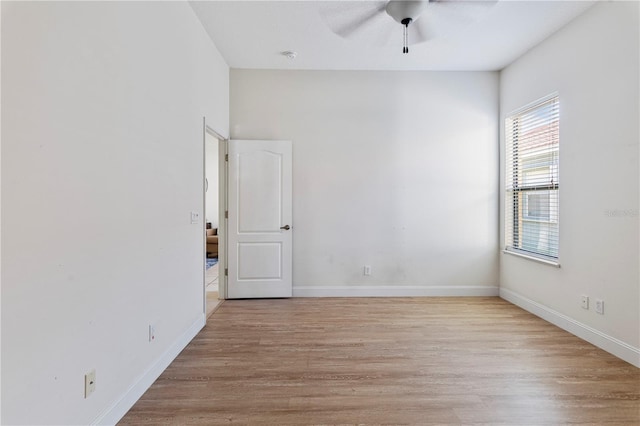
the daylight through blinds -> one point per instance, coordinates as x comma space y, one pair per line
532, 184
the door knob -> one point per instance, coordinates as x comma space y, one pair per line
286, 227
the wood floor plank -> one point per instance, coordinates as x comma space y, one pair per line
446, 361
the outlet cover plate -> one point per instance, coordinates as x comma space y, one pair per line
600, 306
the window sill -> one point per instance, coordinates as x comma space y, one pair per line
534, 258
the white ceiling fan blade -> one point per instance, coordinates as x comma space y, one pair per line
347, 18
460, 10
443, 18
419, 33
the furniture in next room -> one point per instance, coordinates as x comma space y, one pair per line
212, 241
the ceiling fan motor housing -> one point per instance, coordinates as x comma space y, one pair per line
402, 10
405, 12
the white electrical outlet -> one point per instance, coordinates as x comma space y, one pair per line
367, 270
89, 383
152, 332
585, 302
600, 306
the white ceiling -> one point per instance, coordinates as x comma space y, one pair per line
462, 35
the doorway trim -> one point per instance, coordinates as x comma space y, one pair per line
222, 208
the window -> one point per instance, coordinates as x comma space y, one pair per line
532, 185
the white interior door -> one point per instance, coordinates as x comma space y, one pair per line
260, 235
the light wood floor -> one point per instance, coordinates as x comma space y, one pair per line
388, 361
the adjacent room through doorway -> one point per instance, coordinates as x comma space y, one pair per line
212, 222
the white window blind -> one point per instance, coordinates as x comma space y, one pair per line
532, 179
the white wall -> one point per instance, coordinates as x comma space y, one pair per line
397, 170
102, 108
593, 64
211, 197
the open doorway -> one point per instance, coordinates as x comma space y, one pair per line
212, 221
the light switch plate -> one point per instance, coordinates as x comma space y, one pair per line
195, 218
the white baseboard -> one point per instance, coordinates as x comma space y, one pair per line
117, 411
608, 343
393, 291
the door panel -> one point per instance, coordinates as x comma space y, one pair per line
260, 261
260, 246
260, 177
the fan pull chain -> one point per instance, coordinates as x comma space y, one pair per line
406, 22
405, 49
